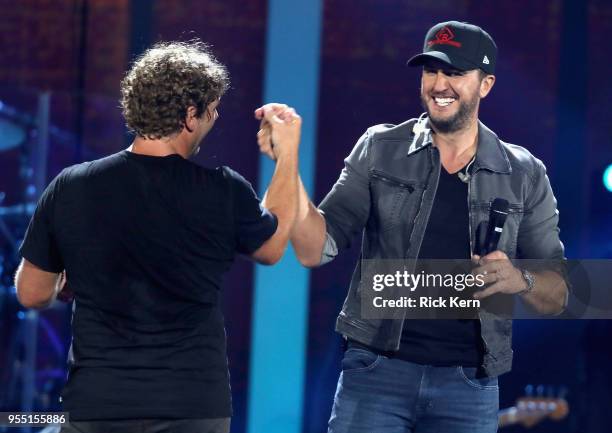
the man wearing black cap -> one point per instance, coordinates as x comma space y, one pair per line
419, 190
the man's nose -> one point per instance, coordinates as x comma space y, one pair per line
441, 82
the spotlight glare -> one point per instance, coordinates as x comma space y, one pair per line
607, 178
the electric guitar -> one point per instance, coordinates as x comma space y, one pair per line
530, 410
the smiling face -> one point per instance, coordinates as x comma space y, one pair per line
451, 97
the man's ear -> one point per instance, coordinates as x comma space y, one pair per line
191, 119
486, 84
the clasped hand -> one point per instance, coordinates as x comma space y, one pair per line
279, 130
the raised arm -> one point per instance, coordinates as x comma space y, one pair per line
281, 198
319, 233
309, 232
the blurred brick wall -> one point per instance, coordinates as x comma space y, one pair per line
39, 51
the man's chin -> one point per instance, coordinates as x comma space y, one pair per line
442, 114
444, 124
447, 121
444, 118
436, 118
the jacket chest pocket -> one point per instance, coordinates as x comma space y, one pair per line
508, 240
394, 200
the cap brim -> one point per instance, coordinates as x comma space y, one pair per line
420, 59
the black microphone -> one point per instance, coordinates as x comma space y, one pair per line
495, 227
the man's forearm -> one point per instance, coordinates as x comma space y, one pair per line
549, 293
281, 199
308, 234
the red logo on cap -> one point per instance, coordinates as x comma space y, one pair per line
444, 37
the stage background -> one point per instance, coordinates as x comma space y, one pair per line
551, 96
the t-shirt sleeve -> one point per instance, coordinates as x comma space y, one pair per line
253, 224
39, 245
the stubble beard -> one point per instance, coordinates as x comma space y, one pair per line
460, 120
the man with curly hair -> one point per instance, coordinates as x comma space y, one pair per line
145, 237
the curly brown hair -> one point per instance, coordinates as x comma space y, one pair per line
165, 81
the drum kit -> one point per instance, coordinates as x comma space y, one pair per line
33, 357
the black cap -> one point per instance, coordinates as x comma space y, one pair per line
463, 46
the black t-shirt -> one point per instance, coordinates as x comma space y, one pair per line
436, 341
145, 242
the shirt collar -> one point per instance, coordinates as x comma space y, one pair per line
490, 154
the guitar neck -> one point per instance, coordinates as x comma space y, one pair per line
529, 412
508, 417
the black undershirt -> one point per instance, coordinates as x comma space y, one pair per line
436, 341
444, 342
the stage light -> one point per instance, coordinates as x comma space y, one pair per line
607, 178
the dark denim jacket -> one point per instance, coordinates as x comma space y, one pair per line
387, 189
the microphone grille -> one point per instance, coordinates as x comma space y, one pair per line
500, 205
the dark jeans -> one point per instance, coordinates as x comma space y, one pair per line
213, 425
377, 394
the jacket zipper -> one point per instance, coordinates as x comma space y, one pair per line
389, 179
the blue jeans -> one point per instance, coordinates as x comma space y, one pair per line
377, 394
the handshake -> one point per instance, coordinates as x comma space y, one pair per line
299, 221
279, 132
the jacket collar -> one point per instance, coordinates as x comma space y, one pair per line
490, 154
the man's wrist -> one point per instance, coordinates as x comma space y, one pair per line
529, 280
290, 158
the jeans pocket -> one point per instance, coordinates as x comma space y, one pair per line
471, 378
356, 360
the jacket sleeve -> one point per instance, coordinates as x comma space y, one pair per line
538, 236
347, 206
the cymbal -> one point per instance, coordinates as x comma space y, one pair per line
11, 135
